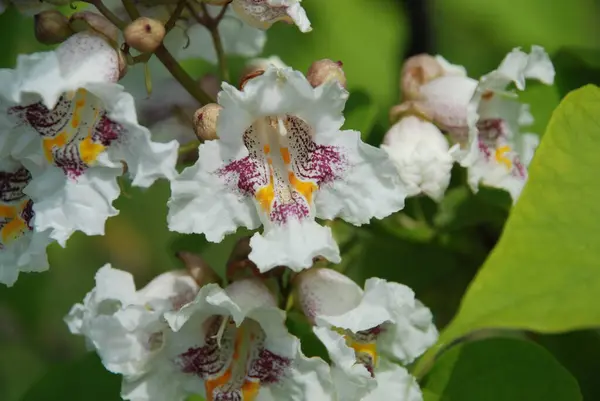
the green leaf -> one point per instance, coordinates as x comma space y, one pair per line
544, 275
580, 353
82, 380
500, 369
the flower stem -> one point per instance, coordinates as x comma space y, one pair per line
116, 21
212, 24
131, 9
181, 76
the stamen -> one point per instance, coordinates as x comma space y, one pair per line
281, 127
221, 331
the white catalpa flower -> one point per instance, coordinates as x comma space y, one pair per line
280, 161
421, 154
264, 13
231, 344
125, 326
67, 117
497, 153
22, 249
367, 332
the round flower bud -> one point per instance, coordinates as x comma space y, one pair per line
417, 71
324, 71
90, 21
145, 34
51, 27
205, 121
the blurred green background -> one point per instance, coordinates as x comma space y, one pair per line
437, 256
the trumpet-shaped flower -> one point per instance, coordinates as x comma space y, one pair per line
231, 344
484, 118
281, 160
64, 114
21, 247
497, 153
264, 13
126, 326
366, 332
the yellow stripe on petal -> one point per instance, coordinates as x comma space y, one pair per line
79, 104
250, 390
49, 143
8, 211
285, 154
13, 229
305, 188
365, 348
89, 150
501, 156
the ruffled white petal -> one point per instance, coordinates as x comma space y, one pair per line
82, 59
126, 327
64, 206
293, 244
503, 162
394, 383
201, 202
409, 328
421, 154
352, 380
298, 15
147, 161
370, 187
24, 254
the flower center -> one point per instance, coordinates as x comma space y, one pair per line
233, 361
364, 344
16, 210
74, 133
284, 167
493, 144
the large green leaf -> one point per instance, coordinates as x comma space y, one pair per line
83, 380
500, 369
544, 274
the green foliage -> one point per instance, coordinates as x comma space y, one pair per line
543, 275
82, 380
500, 369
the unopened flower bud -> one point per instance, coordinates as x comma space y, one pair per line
198, 268
90, 21
324, 71
145, 34
421, 155
205, 121
322, 291
51, 27
417, 71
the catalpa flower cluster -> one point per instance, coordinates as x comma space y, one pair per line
186, 334
270, 155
